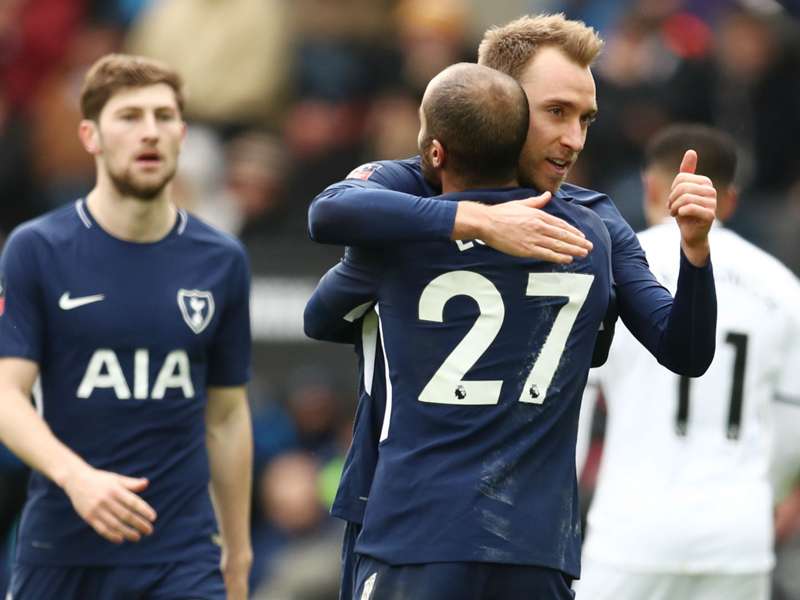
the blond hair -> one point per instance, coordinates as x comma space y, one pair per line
510, 47
114, 72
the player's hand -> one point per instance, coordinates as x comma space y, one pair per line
521, 228
236, 571
693, 203
110, 504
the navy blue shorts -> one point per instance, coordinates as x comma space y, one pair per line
348, 583
196, 580
376, 580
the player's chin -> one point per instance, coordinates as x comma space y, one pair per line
149, 190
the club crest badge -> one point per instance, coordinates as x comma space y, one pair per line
197, 308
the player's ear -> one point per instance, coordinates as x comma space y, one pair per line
438, 154
89, 136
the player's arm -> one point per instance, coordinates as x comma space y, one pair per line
229, 433
389, 207
343, 295
687, 341
230, 453
679, 332
106, 501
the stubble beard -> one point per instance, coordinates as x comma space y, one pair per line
527, 177
126, 185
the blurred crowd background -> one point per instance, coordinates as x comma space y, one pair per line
286, 97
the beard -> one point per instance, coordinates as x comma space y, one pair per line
127, 185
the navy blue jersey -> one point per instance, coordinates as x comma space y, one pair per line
127, 337
389, 202
487, 355
359, 465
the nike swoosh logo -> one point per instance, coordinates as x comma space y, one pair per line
67, 303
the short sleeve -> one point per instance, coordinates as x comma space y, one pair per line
229, 356
21, 311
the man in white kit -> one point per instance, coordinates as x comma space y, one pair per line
683, 503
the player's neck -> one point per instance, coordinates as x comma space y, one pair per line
454, 183
132, 219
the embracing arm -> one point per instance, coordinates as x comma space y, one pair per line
229, 439
106, 501
369, 213
679, 332
354, 214
343, 295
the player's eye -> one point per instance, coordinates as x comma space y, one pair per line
556, 111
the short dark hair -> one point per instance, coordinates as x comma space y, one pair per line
480, 116
716, 151
114, 72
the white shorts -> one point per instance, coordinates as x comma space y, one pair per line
606, 582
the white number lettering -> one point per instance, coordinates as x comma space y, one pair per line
575, 286
141, 373
104, 371
174, 373
112, 378
447, 385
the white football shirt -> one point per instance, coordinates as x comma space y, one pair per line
684, 481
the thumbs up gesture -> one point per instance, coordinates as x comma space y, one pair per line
693, 203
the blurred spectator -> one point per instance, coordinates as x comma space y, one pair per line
300, 543
316, 411
756, 95
237, 186
432, 35
392, 126
646, 74
34, 36
199, 181
60, 164
16, 180
237, 71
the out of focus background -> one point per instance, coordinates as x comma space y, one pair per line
286, 97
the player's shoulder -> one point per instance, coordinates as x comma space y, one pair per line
403, 175
581, 195
584, 214
763, 268
51, 228
374, 169
598, 202
198, 232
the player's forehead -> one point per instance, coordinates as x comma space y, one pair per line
552, 76
159, 96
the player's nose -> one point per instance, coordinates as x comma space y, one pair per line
149, 127
573, 136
